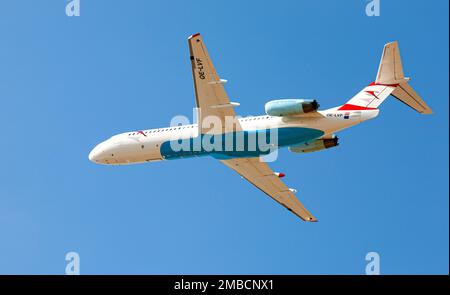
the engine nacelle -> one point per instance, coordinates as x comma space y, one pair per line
314, 146
290, 107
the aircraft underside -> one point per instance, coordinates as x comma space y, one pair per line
238, 144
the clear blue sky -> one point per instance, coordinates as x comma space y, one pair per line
68, 83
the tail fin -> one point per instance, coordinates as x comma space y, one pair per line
390, 80
390, 70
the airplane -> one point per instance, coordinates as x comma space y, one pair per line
297, 123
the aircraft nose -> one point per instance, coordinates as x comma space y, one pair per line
93, 155
97, 154
103, 153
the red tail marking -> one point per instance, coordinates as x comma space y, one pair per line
372, 93
352, 107
377, 84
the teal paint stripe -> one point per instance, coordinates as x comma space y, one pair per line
225, 145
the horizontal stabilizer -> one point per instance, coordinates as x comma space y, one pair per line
406, 94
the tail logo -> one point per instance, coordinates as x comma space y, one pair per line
372, 93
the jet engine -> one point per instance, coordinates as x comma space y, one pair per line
315, 145
290, 107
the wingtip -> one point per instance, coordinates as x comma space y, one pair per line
194, 35
395, 42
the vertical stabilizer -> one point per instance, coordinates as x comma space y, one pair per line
390, 80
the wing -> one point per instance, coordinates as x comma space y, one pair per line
261, 176
210, 95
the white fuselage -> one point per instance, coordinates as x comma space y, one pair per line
145, 146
